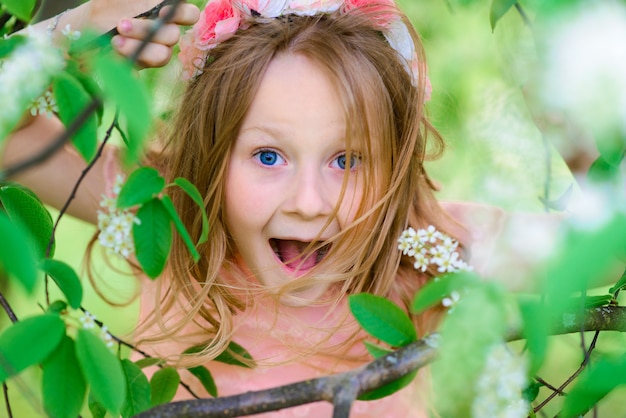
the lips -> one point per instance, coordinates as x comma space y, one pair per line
291, 253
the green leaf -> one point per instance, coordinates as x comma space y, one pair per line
142, 185
587, 255
499, 9
57, 307
195, 195
137, 390
612, 147
621, 283
163, 385
96, 408
66, 278
8, 45
17, 254
72, 99
29, 342
148, 361
122, 87
23, 206
602, 376
382, 319
532, 391
232, 355
63, 383
597, 301
435, 290
180, 227
535, 330
204, 376
389, 388
102, 369
88, 83
601, 171
153, 237
376, 351
22, 9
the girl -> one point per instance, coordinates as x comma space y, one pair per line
303, 127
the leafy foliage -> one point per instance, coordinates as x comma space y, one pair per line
78, 362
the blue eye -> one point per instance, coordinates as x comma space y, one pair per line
342, 159
268, 157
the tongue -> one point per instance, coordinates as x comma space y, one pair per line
291, 254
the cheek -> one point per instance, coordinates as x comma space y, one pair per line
351, 202
238, 201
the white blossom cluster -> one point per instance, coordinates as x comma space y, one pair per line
116, 225
72, 35
89, 322
499, 387
24, 75
44, 105
431, 247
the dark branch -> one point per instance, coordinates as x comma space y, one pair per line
54, 146
344, 386
5, 303
364, 379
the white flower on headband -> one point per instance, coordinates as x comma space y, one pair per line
265, 8
220, 19
313, 7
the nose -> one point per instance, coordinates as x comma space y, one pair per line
310, 195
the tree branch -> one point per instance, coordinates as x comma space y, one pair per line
364, 379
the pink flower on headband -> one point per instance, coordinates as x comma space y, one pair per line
380, 10
218, 22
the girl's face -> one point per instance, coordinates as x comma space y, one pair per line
286, 173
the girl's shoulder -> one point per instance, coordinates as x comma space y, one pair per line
505, 245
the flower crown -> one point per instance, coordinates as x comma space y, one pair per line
220, 19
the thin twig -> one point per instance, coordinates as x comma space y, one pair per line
548, 385
121, 342
573, 376
5, 305
523, 14
72, 196
158, 24
5, 389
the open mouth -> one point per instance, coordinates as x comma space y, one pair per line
293, 253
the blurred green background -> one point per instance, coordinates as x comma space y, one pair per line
495, 155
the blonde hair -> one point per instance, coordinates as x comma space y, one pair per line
385, 115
